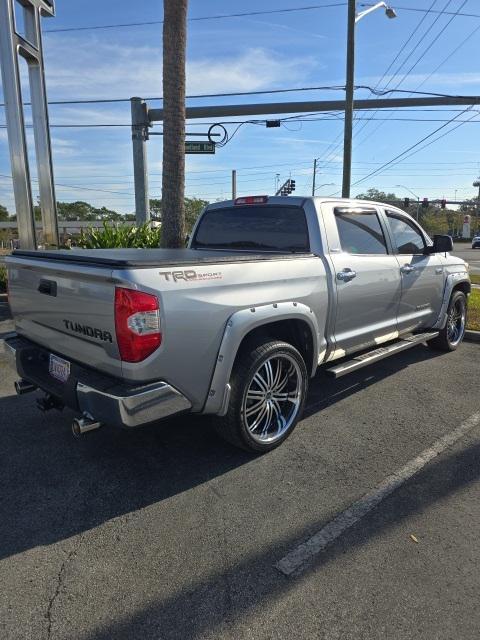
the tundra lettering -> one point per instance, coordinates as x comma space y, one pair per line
92, 332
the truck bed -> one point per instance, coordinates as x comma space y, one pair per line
147, 258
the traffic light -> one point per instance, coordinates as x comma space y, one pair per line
443, 203
292, 185
406, 203
425, 203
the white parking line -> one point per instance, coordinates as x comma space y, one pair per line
297, 559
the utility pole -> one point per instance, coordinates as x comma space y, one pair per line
349, 87
234, 184
314, 176
140, 168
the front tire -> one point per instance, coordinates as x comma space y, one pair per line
452, 334
269, 385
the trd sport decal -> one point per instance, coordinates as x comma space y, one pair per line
190, 275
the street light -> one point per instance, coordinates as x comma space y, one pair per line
353, 18
413, 194
389, 11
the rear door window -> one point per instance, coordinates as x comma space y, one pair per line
251, 228
360, 232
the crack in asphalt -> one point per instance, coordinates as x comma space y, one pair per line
60, 582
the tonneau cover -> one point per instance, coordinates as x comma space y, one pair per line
143, 258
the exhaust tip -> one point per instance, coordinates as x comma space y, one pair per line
23, 386
84, 425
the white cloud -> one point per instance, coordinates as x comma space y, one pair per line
110, 71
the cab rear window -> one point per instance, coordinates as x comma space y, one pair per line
254, 228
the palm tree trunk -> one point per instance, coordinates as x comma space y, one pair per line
173, 176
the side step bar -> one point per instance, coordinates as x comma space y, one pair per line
365, 359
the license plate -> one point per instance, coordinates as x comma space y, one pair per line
59, 368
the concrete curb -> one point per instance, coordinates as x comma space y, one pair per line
472, 336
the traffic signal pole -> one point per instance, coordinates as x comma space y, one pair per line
234, 110
267, 108
140, 125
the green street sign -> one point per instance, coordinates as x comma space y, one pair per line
199, 146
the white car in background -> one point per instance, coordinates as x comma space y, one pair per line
476, 242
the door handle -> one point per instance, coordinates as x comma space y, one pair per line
407, 268
439, 270
346, 275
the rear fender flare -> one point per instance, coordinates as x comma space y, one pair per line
237, 327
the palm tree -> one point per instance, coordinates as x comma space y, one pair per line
173, 175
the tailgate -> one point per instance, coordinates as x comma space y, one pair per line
66, 307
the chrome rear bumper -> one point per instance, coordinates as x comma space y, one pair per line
106, 399
132, 409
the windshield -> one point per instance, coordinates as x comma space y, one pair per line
263, 228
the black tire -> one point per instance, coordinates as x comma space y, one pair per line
447, 340
256, 358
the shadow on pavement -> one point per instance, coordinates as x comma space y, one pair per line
255, 583
53, 487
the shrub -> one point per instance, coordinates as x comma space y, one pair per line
3, 278
113, 236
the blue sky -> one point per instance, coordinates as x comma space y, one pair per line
262, 52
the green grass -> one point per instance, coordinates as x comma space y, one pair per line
474, 310
3, 278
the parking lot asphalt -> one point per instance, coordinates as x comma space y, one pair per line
167, 532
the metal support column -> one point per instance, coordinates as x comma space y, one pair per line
140, 124
314, 176
234, 184
12, 44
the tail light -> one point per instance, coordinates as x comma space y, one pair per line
137, 324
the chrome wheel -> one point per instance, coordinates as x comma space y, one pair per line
456, 322
273, 398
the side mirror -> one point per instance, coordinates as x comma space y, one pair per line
441, 244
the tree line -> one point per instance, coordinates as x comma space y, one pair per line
433, 219
84, 211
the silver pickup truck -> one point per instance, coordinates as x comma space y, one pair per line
268, 290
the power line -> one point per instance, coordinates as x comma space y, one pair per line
422, 55
420, 10
337, 142
430, 45
237, 15
452, 53
69, 186
250, 93
196, 96
324, 118
412, 147
201, 18
400, 51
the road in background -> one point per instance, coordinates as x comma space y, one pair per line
472, 256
